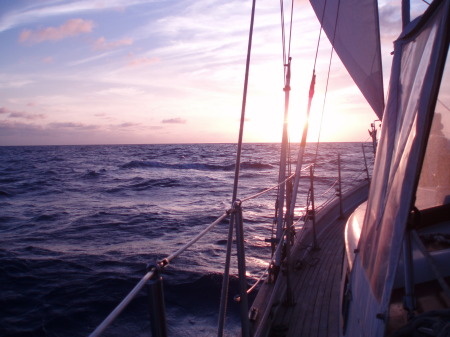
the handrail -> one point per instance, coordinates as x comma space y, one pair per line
122, 305
275, 186
198, 237
268, 189
164, 262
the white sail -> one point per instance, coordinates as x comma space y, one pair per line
357, 42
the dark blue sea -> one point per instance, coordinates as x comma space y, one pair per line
79, 224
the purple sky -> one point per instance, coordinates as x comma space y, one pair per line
135, 71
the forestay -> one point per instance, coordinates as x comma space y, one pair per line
419, 59
353, 25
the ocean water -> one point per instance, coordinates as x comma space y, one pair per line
79, 224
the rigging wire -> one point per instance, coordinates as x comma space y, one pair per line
286, 73
283, 39
225, 281
286, 59
320, 35
305, 129
151, 271
286, 56
328, 78
284, 163
290, 28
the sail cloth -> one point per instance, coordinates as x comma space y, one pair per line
357, 42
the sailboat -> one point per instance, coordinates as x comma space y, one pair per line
395, 275
395, 272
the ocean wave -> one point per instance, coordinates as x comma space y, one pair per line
5, 194
195, 166
48, 217
10, 180
79, 230
256, 166
192, 166
92, 174
145, 185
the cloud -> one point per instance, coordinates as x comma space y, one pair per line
25, 133
122, 91
102, 44
134, 61
91, 58
20, 114
72, 126
14, 129
48, 59
128, 125
24, 115
390, 20
174, 121
20, 133
39, 11
13, 82
70, 28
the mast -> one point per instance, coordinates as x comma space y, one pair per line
406, 16
282, 171
301, 150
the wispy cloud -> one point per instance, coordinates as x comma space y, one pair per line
91, 58
72, 126
174, 121
70, 28
102, 44
24, 115
48, 59
127, 125
8, 129
38, 11
13, 81
138, 61
20, 114
122, 91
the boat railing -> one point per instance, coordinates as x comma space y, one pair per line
154, 270
336, 189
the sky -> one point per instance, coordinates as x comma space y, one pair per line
149, 72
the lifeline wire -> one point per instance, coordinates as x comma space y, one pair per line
163, 263
328, 78
268, 189
122, 305
273, 187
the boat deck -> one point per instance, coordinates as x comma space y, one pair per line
315, 284
312, 307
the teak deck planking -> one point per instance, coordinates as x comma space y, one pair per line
315, 284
